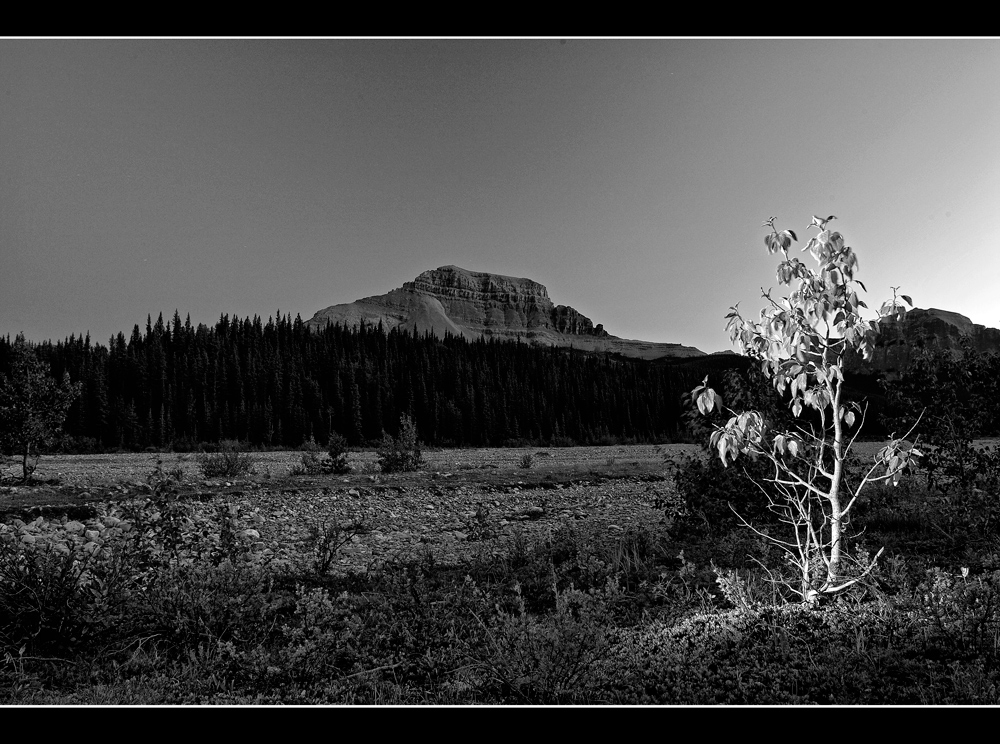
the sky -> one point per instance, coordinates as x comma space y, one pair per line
629, 176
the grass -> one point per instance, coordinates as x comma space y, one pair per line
174, 603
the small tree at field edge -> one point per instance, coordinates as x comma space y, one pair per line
801, 342
33, 406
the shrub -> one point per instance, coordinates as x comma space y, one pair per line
192, 605
337, 450
527, 460
713, 494
401, 454
228, 461
325, 538
62, 582
312, 461
547, 660
480, 526
955, 394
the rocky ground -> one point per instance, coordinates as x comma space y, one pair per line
461, 503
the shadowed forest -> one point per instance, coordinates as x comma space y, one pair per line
277, 384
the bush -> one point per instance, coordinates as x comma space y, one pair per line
401, 454
527, 460
953, 394
192, 605
337, 450
228, 461
62, 582
326, 537
312, 461
546, 660
710, 491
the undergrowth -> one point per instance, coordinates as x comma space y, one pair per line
158, 602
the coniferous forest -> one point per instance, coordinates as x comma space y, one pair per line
278, 384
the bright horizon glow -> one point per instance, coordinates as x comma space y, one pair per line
628, 176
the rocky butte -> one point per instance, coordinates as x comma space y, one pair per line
475, 305
932, 328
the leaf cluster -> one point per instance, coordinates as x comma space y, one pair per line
801, 343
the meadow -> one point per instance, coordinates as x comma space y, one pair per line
534, 576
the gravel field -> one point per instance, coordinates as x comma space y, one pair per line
134, 467
461, 502
96, 470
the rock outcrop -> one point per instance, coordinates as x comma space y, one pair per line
919, 328
478, 305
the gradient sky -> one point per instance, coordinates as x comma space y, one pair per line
629, 176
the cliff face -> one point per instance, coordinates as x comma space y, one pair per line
899, 340
477, 304
499, 305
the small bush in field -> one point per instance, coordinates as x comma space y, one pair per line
527, 460
312, 459
228, 461
337, 450
401, 454
326, 537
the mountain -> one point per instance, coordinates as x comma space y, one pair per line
475, 305
931, 328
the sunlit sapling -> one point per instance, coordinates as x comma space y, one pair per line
802, 342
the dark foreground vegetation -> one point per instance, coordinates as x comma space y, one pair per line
163, 598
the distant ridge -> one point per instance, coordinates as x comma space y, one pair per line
932, 328
475, 305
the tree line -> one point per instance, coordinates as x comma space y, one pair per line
280, 384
